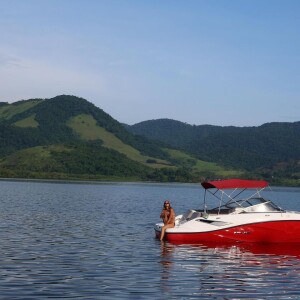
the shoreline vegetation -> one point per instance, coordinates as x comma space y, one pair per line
115, 180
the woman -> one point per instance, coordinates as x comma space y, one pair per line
168, 217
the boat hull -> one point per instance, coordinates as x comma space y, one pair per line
261, 232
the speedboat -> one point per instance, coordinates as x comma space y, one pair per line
242, 215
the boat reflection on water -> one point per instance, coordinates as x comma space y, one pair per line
279, 249
214, 269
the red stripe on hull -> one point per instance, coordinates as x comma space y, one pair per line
266, 232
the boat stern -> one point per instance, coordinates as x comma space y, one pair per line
157, 229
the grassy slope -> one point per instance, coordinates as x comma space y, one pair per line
27, 122
39, 163
9, 110
199, 166
86, 127
39, 156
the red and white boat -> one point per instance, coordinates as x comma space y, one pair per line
251, 218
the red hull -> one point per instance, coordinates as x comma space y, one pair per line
266, 232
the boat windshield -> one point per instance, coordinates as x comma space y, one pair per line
252, 205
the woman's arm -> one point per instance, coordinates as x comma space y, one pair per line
171, 219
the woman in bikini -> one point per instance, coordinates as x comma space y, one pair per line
168, 217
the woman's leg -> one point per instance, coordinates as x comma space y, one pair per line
162, 234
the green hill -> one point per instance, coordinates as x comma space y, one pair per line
86, 127
271, 151
69, 138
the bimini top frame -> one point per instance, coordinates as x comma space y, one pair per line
239, 185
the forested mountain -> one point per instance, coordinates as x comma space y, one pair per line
272, 149
70, 138
67, 136
41, 122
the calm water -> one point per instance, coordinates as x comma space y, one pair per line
90, 241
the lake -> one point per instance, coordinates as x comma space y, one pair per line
96, 241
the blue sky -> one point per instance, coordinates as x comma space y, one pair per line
219, 62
